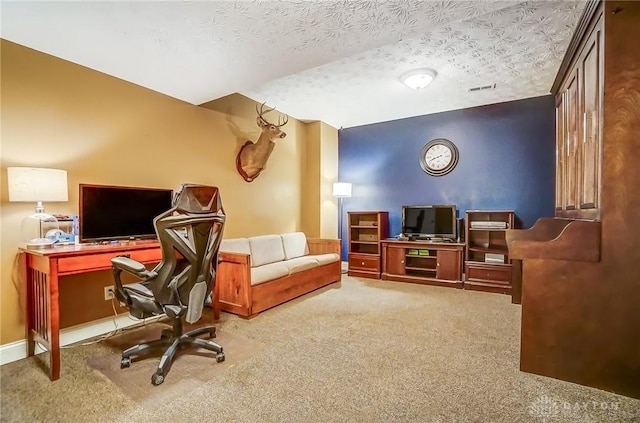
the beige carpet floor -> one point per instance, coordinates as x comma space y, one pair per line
359, 351
192, 367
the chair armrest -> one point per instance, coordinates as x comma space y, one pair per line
323, 246
132, 266
124, 263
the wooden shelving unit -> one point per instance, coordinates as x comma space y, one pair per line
366, 230
487, 260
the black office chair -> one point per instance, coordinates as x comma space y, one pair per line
189, 234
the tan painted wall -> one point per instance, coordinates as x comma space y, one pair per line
311, 182
318, 169
320, 208
328, 168
107, 131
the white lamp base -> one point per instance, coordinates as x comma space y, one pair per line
35, 226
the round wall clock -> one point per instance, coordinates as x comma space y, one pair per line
438, 157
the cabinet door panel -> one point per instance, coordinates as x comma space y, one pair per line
449, 264
591, 138
572, 146
395, 261
560, 154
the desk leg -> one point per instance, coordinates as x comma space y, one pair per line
54, 322
43, 313
29, 301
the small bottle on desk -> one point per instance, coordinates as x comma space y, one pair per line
75, 229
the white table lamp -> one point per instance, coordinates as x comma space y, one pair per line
30, 184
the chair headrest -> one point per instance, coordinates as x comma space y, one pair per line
193, 198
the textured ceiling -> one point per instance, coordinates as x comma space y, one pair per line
335, 61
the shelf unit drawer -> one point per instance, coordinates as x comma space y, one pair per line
489, 273
364, 262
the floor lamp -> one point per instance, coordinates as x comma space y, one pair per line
340, 191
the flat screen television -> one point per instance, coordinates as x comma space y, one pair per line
429, 222
114, 212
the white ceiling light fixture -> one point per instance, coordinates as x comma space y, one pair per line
418, 78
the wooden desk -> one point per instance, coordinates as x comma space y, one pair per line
42, 269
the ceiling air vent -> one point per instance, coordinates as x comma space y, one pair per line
482, 88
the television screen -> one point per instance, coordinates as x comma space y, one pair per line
437, 221
111, 212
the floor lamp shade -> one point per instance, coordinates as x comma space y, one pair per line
342, 189
31, 184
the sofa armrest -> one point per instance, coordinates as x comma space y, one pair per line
323, 246
237, 258
233, 282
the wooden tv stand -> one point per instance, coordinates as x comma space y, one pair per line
425, 262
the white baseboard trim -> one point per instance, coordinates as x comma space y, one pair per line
17, 350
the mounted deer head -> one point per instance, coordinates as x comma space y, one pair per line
252, 157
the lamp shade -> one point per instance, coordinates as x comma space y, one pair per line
342, 189
33, 184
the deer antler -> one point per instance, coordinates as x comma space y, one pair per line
262, 112
286, 119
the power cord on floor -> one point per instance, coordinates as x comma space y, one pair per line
116, 331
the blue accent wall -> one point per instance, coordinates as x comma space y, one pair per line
507, 161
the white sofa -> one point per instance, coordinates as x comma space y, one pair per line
259, 272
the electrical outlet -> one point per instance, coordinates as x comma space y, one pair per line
108, 292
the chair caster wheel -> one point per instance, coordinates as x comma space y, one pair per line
220, 357
125, 362
157, 379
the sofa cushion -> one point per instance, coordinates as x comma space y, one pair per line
235, 245
295, 245
325, 258
266, 249
268, 272
300, 264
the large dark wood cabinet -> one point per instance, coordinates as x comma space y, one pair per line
366, 230
424, 262
579, 130
580, 291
